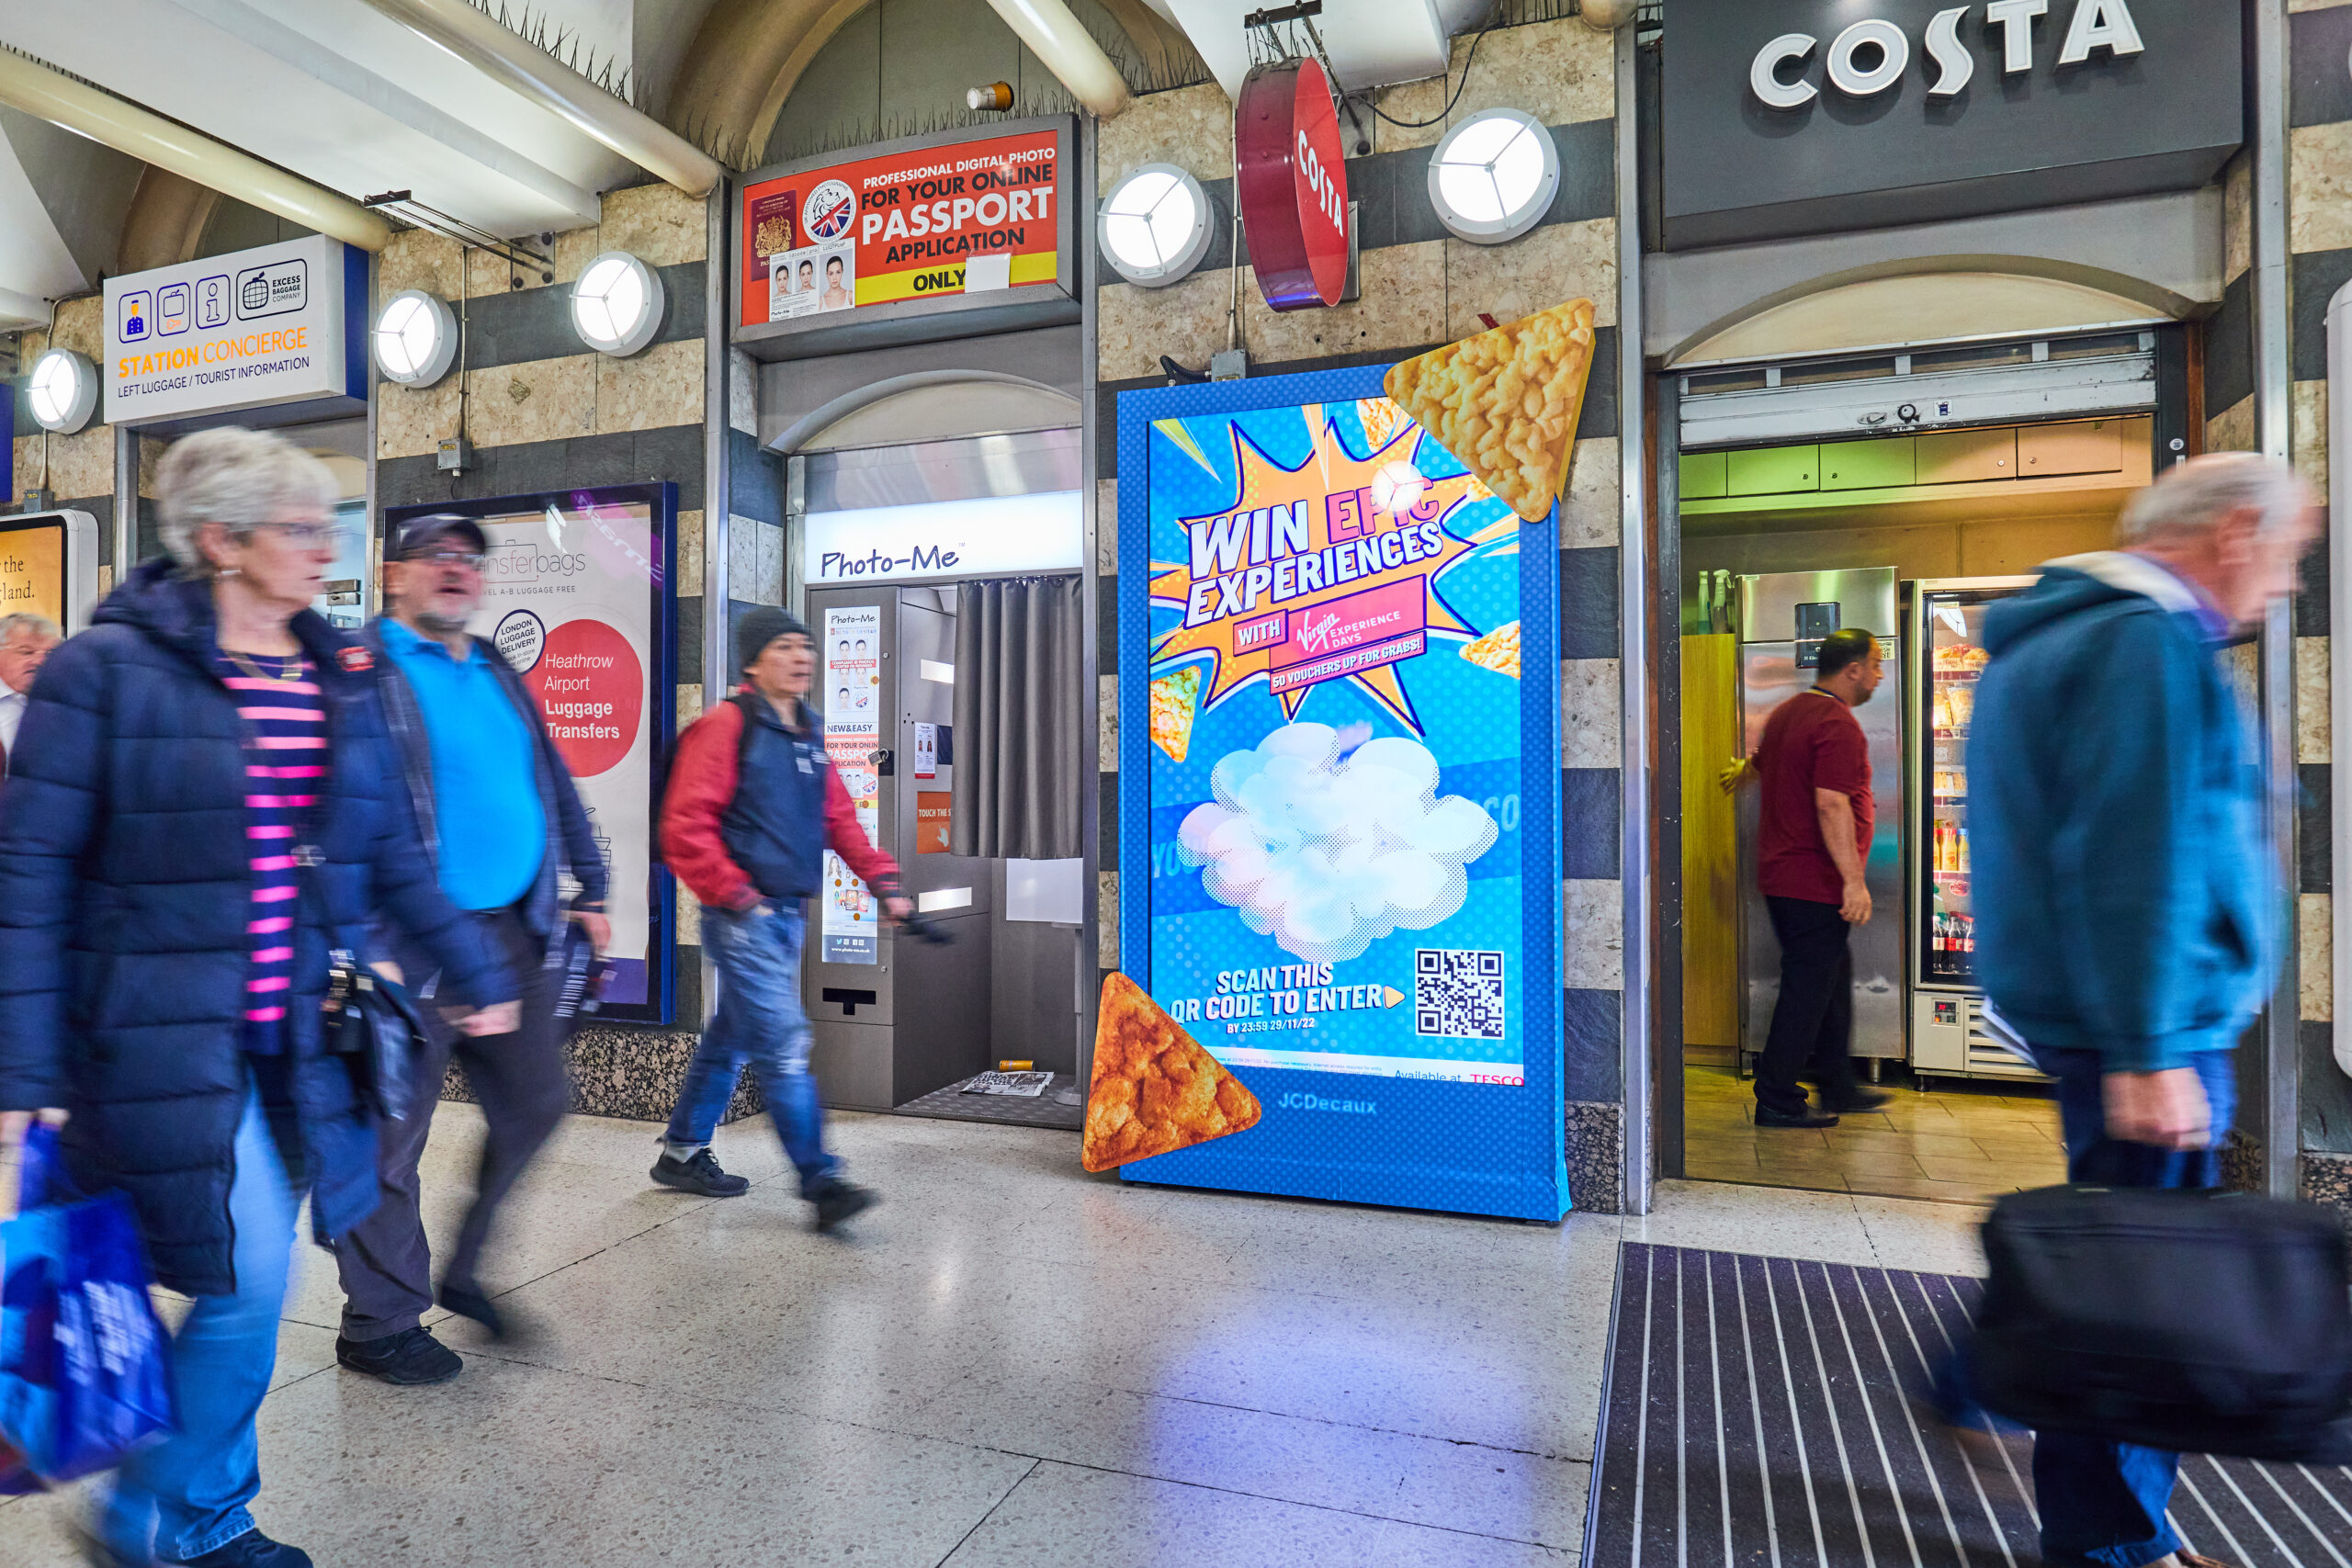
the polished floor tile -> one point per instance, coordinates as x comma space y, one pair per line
1007, 1361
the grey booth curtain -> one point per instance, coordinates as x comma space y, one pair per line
1018, 746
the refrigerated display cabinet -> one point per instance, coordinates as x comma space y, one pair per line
1944, 638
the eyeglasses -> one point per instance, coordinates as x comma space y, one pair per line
467, 559
314, 536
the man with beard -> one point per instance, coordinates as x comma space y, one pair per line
500, 819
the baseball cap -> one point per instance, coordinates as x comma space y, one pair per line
418, 532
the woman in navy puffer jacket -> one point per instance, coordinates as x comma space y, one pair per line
162, 959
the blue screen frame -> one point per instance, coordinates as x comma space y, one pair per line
1457, 1147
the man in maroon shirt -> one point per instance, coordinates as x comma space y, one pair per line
1814, 837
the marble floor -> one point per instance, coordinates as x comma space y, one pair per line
1959, 1142
1009, 1363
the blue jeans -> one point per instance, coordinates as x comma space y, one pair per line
189, 1491
2104, 1502
760, 1020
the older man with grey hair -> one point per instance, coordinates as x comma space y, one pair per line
25, 642
2126, 902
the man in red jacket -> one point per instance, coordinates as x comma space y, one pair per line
751, 809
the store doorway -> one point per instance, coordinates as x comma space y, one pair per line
1787, 527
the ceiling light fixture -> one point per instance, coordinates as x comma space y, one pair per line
1154, 226
1494, 175
617, 304
415, 338
62, 393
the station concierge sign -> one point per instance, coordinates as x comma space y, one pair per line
260, 329
1808, 117
834, 254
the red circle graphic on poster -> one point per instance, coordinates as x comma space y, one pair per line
591, 688
1294, 184
830, 209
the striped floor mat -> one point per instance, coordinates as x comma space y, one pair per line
1756, 1420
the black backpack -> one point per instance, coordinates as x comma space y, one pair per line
2198, 1321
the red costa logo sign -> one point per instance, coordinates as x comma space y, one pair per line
1292, 185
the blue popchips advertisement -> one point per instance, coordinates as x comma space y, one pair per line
1340, 864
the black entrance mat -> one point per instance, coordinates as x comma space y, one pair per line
951, 1105
1756, 1418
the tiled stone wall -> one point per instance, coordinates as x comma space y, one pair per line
78, 469
544, 413
2320, 241
1421, 288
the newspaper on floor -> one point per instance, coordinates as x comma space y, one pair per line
1026, 1086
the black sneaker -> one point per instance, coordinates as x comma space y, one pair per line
251, 1550
841, 1201
700, 1175
1806, 1118
476, 1306
406, 1360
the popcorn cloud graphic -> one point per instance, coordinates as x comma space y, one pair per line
1326, 854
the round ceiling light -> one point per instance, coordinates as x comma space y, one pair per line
62, 393
617, 304
416, 338
1494, 175
1154, 226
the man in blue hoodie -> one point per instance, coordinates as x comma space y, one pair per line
2127, 902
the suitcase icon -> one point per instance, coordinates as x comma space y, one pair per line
255, 295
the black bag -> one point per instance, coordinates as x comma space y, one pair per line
369, 1019
2194, 1321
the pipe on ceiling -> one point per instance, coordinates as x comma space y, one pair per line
77, 107
1068, 50
509, 60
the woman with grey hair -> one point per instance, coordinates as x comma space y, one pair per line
207, 806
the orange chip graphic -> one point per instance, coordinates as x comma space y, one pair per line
1505, 401
1382, 420
1155, 1090
1172, 699
1498, 651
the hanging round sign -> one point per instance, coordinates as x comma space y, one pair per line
1293, 183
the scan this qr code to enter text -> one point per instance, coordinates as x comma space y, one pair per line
1458, 992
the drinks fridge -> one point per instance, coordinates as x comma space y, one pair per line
1943, 628
1783, 618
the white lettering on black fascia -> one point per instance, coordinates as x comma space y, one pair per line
1871, 56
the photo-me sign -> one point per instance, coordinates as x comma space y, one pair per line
921, 227
1805, 117
257, 329
987, 536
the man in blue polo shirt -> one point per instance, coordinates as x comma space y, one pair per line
500, 819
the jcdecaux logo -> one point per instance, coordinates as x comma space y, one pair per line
1317, 1102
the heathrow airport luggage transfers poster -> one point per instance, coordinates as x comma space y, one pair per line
575, 595
1339, 790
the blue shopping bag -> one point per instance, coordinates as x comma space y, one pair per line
85, 1367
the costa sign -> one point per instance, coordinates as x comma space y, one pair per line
1872, 55
1292, 185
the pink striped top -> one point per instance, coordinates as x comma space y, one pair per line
285, 756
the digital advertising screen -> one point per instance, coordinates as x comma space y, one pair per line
1340, 794
577, 595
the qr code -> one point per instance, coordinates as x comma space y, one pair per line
1458, 992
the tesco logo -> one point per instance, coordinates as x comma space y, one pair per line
1872, 55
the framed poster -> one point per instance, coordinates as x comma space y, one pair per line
1339, 792
849, 923
922, 227
49, 566
578, 595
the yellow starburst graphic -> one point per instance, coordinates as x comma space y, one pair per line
1327, 571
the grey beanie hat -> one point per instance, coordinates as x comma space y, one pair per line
761, 627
